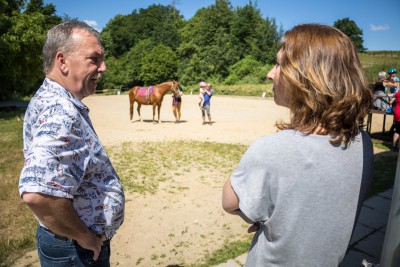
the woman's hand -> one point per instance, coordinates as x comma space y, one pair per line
253, 228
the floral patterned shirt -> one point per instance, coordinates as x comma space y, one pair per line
64, 158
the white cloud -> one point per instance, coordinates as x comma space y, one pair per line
93, 24
383, 27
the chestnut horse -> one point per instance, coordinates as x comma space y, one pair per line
152, 95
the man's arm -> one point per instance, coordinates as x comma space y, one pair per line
59, 216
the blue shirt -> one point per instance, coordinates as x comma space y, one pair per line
207, 98
64, 158
394, 89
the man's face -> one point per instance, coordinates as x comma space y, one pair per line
85, 64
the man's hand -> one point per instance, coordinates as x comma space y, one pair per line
59, 216
91, 242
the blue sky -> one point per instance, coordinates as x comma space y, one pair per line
379, 20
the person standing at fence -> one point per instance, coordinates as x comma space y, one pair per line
68, 180
303, 187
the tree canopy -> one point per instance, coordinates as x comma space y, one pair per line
21, 42
350, 28
204, 47
220, 44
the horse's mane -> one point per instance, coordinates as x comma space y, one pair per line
164, 83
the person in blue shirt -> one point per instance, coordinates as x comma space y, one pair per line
207, 101
394, 79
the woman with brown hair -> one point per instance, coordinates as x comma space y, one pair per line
302, 188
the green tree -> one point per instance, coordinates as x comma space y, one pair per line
7, 8
214, 39
217, 37
160, 23
350, 28
21, 45
125, 71
21, 61
206, 44
159, 65
134, 60
115, 76
241, 69
116, 36
48, 10
255, 36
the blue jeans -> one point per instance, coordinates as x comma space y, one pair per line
56, 251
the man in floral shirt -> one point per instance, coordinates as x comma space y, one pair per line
68, 180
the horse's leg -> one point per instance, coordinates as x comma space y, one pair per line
132, 102
138, 110
158, 109
154, 113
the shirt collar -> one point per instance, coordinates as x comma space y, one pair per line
63, 92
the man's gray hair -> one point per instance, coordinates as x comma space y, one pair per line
382, 75
59, 38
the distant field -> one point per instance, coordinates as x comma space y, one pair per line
376, 61
382, 58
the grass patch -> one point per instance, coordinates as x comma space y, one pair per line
384, 172
17, 225
376, 58
385, 164
375, 61
143, 166
230, 250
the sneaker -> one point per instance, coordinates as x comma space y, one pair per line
204, 123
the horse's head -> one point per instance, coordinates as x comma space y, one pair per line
174, 88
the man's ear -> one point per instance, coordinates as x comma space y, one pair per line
60, 62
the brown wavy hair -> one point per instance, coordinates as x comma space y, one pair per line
326, 84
